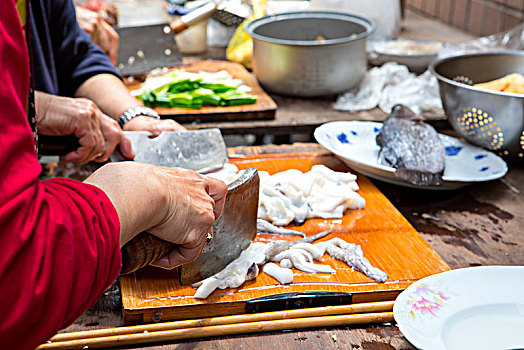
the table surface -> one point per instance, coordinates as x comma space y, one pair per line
480, 224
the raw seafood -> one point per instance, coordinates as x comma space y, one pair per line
281, 274
266, 227
352, 255
295, 196
412, 147
298, 254
240, 269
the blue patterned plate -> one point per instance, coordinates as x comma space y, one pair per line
354, 143
471, 308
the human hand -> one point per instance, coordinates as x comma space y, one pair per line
174, 204
98, 134
154, 126
102, 34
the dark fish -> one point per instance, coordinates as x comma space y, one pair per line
412, 147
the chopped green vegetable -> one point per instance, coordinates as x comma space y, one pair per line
192, 90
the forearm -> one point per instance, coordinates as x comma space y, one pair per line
109, 93
137, 211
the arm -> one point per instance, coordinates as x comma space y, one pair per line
113, 98
60, 238
67, 63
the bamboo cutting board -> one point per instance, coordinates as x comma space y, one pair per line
265, 107
387, 239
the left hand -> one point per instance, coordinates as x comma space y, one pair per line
98, 134
154, 126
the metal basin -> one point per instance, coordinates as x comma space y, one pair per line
490, 119
310, 53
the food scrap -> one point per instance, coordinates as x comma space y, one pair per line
513, 83
183, 89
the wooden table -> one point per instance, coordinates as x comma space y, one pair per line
477, 225
303, 115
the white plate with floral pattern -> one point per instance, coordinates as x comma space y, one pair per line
470, 308
354, 143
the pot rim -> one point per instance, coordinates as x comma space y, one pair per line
435, 64
368, 24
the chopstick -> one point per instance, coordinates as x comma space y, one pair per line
227, 325
220, 330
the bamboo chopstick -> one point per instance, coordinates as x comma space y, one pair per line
224, 320
219, 330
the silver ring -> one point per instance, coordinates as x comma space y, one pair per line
209, 237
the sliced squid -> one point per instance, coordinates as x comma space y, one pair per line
281, 274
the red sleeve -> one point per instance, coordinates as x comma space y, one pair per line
60, 237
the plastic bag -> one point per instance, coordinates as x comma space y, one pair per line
510, 40
240, 47
389, 85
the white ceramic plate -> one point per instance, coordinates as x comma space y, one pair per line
471, 308
354, 143
415, 54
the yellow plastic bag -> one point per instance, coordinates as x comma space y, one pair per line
240, 47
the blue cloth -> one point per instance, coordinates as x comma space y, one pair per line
63, 55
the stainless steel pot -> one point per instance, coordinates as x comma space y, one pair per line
310, 53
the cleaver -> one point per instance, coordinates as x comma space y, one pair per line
144, 48
202, 151
232, 233
199, 150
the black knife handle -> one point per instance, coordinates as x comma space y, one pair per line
57, 145
297, 300
141, 251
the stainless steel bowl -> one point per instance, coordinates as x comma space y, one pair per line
490, 119
310, 53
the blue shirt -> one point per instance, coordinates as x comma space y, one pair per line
64, 56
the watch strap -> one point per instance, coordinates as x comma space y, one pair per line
135, 112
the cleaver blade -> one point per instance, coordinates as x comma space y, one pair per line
233, 232
200, 150
144, 48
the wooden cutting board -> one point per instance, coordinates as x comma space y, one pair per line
265, 107
387, 239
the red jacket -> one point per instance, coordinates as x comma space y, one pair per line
59, 238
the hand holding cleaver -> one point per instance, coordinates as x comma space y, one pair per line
202, 151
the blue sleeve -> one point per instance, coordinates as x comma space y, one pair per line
63, 55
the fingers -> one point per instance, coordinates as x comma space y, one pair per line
154, 126
114, 136
125, 147
87, 129
179, 255
217, 191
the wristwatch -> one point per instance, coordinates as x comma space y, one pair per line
135, 112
